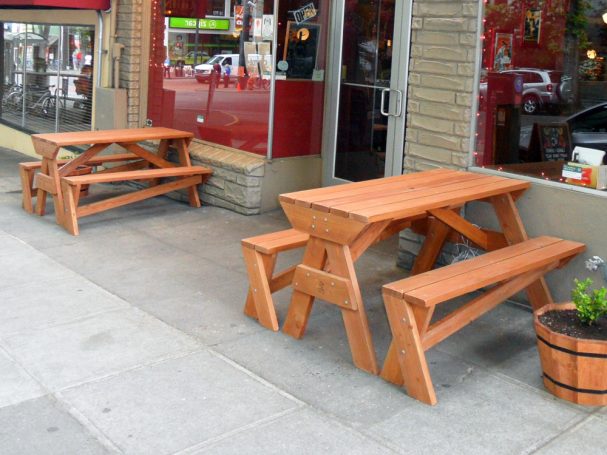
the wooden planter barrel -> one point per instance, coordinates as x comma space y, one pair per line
574, 369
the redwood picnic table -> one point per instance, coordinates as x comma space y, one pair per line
56, 177
343, 221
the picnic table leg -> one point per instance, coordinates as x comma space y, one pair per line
184, 159
163, 152
296, 321
514, 231
432, 246
355, 321
260, 269
41, 196
70, 218
391, 370
408, 352
27, 185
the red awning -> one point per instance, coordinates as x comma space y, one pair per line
72, 4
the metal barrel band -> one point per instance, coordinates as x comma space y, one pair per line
574, 389
569, 351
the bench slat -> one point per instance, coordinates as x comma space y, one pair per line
137, 175
275, 242
92, 162
455, 280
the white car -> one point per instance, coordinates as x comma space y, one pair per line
203, 72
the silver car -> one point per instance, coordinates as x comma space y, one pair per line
540, 89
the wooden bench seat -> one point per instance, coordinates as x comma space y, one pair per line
28, 170
187, 177
410, 302
260, 255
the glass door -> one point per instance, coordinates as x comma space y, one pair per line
364, 131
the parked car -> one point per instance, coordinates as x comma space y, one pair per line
203, 72
588, 128
541, 89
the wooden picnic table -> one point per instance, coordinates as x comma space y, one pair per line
56, 176
343, 221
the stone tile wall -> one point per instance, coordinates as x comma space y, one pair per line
441, 78
129, 30
441, 81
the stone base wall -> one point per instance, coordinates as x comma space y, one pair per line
237, 177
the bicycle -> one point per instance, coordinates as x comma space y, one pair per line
46, 104
12, 99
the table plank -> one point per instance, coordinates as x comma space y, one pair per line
378, 195
315, 194
442, 188
420, 205
111, 136
412, 181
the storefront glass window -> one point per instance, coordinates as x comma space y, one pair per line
213, 75
47, 73
543, 89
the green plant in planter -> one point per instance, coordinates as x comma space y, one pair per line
590, 305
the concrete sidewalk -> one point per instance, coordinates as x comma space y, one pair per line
131, 339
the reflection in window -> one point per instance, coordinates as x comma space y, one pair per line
47, 73
543, 86
212, 75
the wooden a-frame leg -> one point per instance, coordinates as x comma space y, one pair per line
184, 159
391, 370
70, 218
260, 268
431, 248
163, 152
27, 184
296, 321
355, 321
514, 231
41, 196
409, 351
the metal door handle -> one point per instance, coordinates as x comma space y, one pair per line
399, 103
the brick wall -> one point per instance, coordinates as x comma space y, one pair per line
443, 47
129, 32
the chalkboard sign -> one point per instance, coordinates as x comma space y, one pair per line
553, 140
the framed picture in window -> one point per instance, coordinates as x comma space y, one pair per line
502, 52
301, 48
532, 26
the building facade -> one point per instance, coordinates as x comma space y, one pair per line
284, 95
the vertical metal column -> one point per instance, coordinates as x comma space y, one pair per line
24, 85
270, 150
59, 81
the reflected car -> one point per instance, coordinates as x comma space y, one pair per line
588, 128
203, 72
540, 89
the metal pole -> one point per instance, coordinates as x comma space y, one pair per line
99, 47
270, 150
23, 70
59, 81
2, 60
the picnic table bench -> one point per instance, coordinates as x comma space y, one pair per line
410, 302
55, 177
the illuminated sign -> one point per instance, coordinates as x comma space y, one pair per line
203, 24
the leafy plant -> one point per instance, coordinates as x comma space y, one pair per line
590, 306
